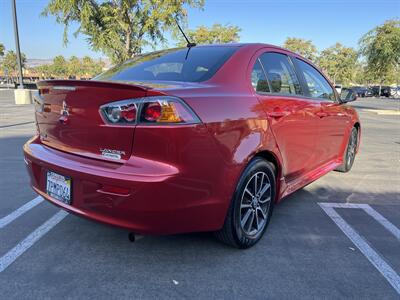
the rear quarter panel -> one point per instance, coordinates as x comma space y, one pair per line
236, 124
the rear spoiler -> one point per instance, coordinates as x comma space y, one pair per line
71, 85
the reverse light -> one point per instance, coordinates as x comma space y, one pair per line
149, 110
120, 112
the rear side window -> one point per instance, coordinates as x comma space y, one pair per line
280, 74
317, 85
258, 79
191, 65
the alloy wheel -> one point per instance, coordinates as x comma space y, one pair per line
255, 204
351, 150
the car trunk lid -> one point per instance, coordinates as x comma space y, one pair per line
68, 118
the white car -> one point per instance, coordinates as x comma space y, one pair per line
395, 92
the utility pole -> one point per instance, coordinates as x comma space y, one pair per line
16, 36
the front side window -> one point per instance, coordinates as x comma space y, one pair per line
190, 65
280, 73
318, 86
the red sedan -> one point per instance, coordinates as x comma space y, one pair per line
206, 138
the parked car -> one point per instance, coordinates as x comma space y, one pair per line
361, 91
206, 138
394, 92
375, 91
368, 92
385, 91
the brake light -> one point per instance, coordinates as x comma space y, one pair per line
149, 110
152, 111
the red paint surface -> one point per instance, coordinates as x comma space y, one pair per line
174, 179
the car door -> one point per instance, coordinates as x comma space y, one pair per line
332, 119
291, 116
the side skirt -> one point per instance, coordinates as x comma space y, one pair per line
300, 182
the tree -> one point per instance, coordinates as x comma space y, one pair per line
120, 28
91, 67
381, 49
59, 67
97, 67
216, 34
2, 49
301, 46
75, 67
360, 75
44, 71
72, 68
10, 62
339, 63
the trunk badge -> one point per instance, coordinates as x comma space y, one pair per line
112, 154
65, 109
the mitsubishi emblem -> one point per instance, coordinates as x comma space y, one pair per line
64, 114
65, 109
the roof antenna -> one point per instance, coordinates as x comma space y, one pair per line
189, 44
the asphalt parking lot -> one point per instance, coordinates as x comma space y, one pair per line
348, 248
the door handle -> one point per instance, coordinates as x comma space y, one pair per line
322, 114
277, 113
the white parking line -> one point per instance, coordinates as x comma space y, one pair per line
20, 211
30, 240
372, 212
385, 222
377, 261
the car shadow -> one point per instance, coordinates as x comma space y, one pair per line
302, 252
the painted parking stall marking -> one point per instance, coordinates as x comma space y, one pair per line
7, 259
376, 260
31, 239
20, 211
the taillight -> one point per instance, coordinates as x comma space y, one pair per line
149, 110
152, 111
120, 112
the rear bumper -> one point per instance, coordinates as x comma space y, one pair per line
161, 199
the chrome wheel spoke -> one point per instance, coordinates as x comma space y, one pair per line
261, 185
264, 189
255, 183
246, 218
263, 201
264, 215
251, 221
256, 217
248, 192
245, 205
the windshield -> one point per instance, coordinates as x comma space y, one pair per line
191, 65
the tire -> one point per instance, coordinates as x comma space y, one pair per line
249, 213
350, 154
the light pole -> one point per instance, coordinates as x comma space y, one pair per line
16, 36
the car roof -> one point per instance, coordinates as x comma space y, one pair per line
254, 46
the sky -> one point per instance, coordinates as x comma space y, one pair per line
325, 22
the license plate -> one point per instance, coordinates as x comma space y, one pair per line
59, 187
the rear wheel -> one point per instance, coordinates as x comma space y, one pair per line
251, 207
350, 153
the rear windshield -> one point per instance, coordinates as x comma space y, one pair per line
191, 65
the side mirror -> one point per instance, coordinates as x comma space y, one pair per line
347, 96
